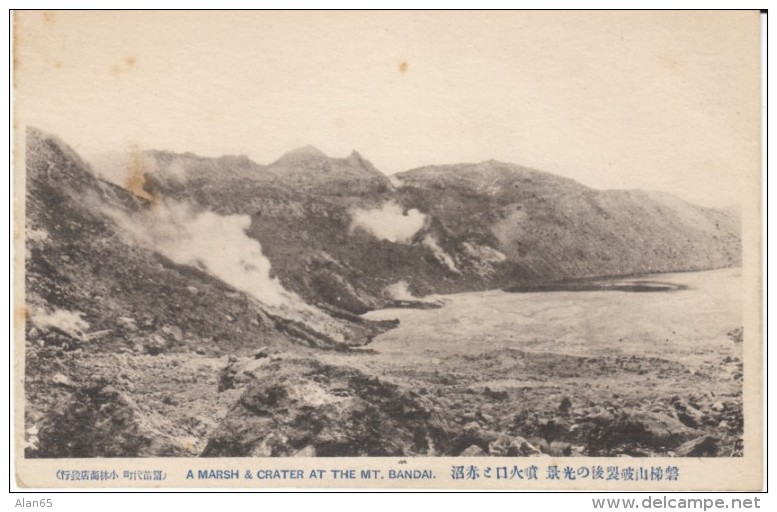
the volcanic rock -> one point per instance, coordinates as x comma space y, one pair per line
296, 404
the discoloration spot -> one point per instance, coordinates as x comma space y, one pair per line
48, 17
125, 65
671, 61
403, 66
136, 176
20, 314
17, 43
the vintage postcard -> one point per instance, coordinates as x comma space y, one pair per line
512, 250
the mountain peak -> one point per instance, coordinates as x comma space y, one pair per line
357, 159
307, 152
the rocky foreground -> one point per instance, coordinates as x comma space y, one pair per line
280, 403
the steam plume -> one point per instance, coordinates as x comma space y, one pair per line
390, 222
216, 244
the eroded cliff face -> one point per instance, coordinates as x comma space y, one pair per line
111, 274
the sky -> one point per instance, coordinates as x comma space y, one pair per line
644, 99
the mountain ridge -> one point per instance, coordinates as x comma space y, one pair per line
480, 225
308, 152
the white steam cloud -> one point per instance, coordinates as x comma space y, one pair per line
219, 245
396, 182
175, 170
483, 253
390, 222
401, 291
431, 243
69, 322
216, 244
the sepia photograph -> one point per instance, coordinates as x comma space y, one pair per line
490, 249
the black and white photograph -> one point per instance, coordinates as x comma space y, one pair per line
432, 239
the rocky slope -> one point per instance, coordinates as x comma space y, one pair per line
103, 279
84, 250
299, 406
550, 227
